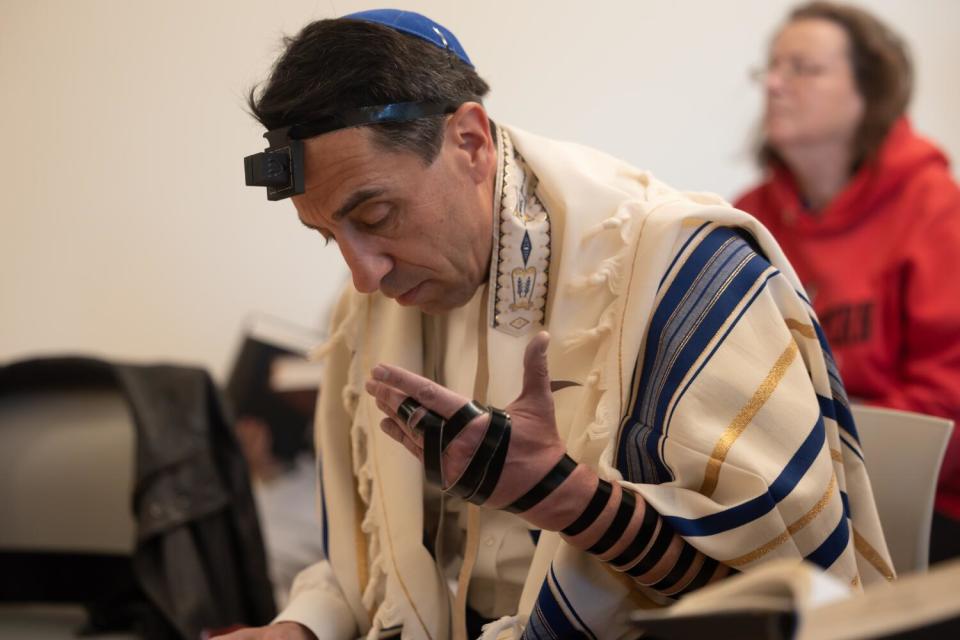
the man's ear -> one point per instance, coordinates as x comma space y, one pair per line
468, 133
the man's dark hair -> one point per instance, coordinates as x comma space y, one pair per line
338, 64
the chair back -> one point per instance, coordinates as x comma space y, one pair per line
903, 452
67, 459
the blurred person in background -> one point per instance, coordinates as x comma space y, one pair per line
273, 392
867, 212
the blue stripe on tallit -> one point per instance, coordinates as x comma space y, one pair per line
754, 508
548, 620
836, 411
827, 407
566, 600
716, 347
831, 408
833, 547
709, 285
852, 448
683, 248
845, 421
841, 411
846, 503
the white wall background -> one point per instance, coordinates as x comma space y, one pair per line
126, 228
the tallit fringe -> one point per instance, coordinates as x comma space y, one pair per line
346, 332
585, 337
603, 329
375, 589
610, 271
387, 616
612, 274
607, 273
376, 584
706, 198
350, 397
620, 219
375, 629
512, 624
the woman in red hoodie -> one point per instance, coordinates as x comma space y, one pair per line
869, 215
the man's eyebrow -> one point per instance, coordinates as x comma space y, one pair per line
355, 200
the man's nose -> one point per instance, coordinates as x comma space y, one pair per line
367, 265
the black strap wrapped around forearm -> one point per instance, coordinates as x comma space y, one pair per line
621, 521
684, 562
594, 508
547, 485
655, 554
648, 526
706, 571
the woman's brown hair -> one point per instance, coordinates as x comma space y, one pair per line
881, 67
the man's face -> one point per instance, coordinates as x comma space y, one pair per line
420, 234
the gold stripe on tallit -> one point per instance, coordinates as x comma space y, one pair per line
806, 330
790, 531
872, 556
712, 474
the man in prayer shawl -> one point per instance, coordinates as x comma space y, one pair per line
682, 420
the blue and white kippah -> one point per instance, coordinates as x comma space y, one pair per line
416, 25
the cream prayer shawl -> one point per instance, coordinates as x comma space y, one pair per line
703, 383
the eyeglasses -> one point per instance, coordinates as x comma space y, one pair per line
790, 70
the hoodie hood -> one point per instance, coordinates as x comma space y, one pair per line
903, 154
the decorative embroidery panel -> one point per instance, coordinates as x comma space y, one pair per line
522, 252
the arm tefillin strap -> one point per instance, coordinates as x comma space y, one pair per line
687, 555
656, 551
480, 477
621, 520
707, 569
487, 462
596, 506
648, 526
547, 485
437, 436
